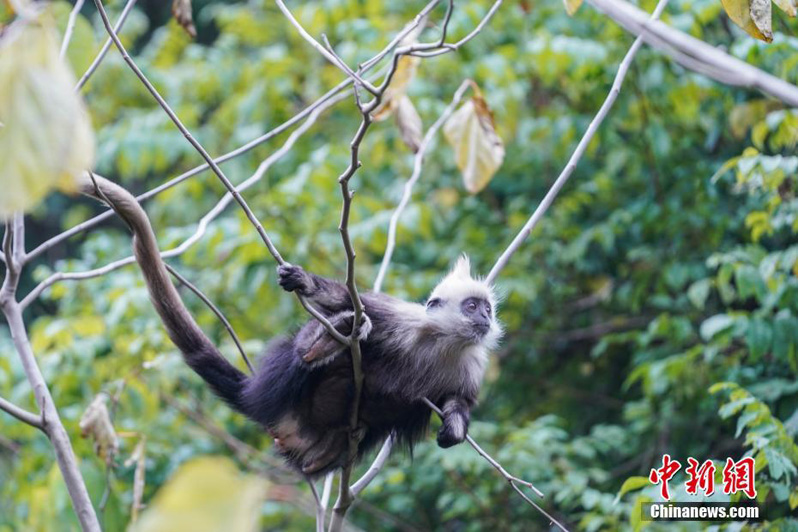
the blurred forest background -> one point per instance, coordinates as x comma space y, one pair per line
668, 265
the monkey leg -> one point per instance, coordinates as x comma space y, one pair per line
329, 451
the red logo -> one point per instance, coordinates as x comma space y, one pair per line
701, 478
664, 474
739, 476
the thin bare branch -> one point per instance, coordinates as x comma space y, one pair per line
414, 177
50, 420
107, 46
21, 414
375, 467
443, 48
603, 111
409, 27
83, 226
186, 133
511, 479
329, 55
216, 311
73, 17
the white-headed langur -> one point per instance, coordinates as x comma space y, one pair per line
302, 391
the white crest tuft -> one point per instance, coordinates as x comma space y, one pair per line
462, 268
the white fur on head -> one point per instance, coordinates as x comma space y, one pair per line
456, 287
459, 285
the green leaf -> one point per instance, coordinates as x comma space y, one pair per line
759, 337
698, 293
715, 325
632, 484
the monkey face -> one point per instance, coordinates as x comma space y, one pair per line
479, 313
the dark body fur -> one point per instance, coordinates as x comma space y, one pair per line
302, 390
319, 395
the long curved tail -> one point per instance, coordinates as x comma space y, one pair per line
198, 351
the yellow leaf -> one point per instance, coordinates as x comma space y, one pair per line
478, 150
571, 6
788, 6
409, 123
46, 139
753, 16
207, 494
405, 72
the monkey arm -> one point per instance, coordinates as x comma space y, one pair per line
314, 343
456, 416
330, 297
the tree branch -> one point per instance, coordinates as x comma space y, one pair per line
442, 47
50, 421
73, 17
21, 414
329, 55
548, 199
732, 71
107, 46
186, 133
512, 480
414, 177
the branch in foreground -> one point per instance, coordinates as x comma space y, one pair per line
21, 414
548, 199
663, 37
329, 55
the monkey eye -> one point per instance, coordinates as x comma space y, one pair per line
434, 302
472, 306
487, 307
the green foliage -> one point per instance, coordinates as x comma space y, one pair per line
669, 264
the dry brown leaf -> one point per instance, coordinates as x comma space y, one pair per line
571, 6
181, 10
409, 123
788, 6
95, 423
140, 459
753, 16
478, 150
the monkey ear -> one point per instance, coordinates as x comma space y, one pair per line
462, 267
